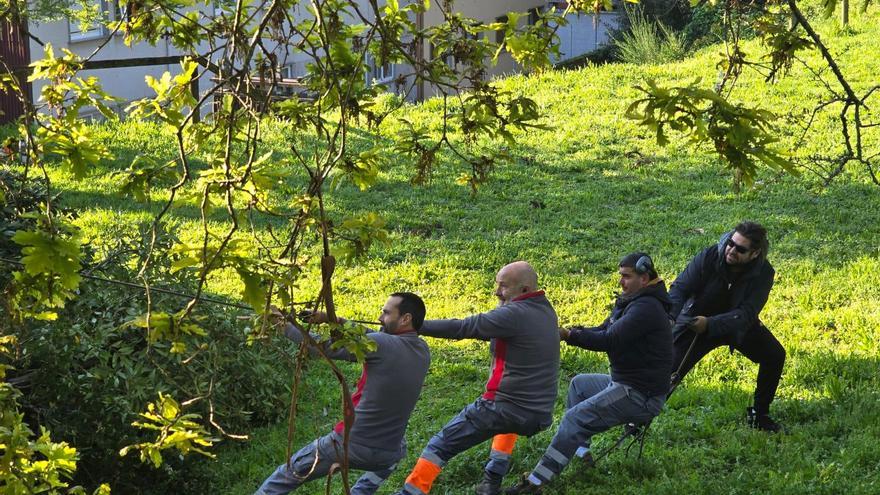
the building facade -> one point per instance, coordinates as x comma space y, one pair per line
583, 33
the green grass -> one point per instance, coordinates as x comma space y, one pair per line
601, 202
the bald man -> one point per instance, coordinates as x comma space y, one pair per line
521, 390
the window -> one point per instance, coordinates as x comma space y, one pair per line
499, 35
447, 57
379, 73
94, 30
122, 11
534, 15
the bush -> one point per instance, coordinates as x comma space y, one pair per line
674, 14
644, 43
706, 26
86, 377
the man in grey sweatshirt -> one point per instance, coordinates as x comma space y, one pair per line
386, 394
522, 384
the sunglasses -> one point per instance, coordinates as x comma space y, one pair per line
739, 248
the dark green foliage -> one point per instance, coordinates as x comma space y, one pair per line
86, 376
675, 14
705, 26
15, 198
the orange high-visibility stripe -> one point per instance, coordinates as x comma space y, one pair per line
423, 475
504, 443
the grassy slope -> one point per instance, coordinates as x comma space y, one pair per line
600, 204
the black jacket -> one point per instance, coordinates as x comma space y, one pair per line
638, 339
731, 301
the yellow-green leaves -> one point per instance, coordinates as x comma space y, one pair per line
169, 328
32, 466
29, 465
357, 234
51, 254
53, 68
137, 180
533, 44
74, 144
740, 135
781, 41
351, 337
64, 135
174, 430
363, 168
46, 252
173, 97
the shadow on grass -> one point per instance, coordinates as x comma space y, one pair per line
571, 214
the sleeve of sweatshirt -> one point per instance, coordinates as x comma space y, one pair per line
630, 326
686, 284
499, 323
575, 332
295, 334
745, 316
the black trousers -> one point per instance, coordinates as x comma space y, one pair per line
758, 345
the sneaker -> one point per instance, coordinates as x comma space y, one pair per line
762, 421
490, 485
524, 486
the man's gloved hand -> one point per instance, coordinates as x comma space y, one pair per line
310, 316
275, 317
699, 324
563, 334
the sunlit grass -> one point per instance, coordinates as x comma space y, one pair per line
572, 201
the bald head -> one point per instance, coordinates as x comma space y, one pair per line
514, 280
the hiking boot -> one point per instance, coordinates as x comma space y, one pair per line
490, 485
762, 421
588, 461
524, 486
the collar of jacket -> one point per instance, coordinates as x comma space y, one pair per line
528, 295
655, 288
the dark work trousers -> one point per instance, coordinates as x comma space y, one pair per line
758, 345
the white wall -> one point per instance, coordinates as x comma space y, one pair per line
585, 33
126, 83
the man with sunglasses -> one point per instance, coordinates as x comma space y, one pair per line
716, 302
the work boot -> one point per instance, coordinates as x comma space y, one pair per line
490, 485
762, 421
524, 486
588, 461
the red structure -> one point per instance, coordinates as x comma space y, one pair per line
15, 54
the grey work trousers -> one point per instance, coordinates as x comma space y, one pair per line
476, 423
315, 460
595, 404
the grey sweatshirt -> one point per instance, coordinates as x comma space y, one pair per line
388, 388
525, 349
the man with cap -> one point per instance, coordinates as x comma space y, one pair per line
638, 339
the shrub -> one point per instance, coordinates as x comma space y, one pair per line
86, 377
649, 43
706, 25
